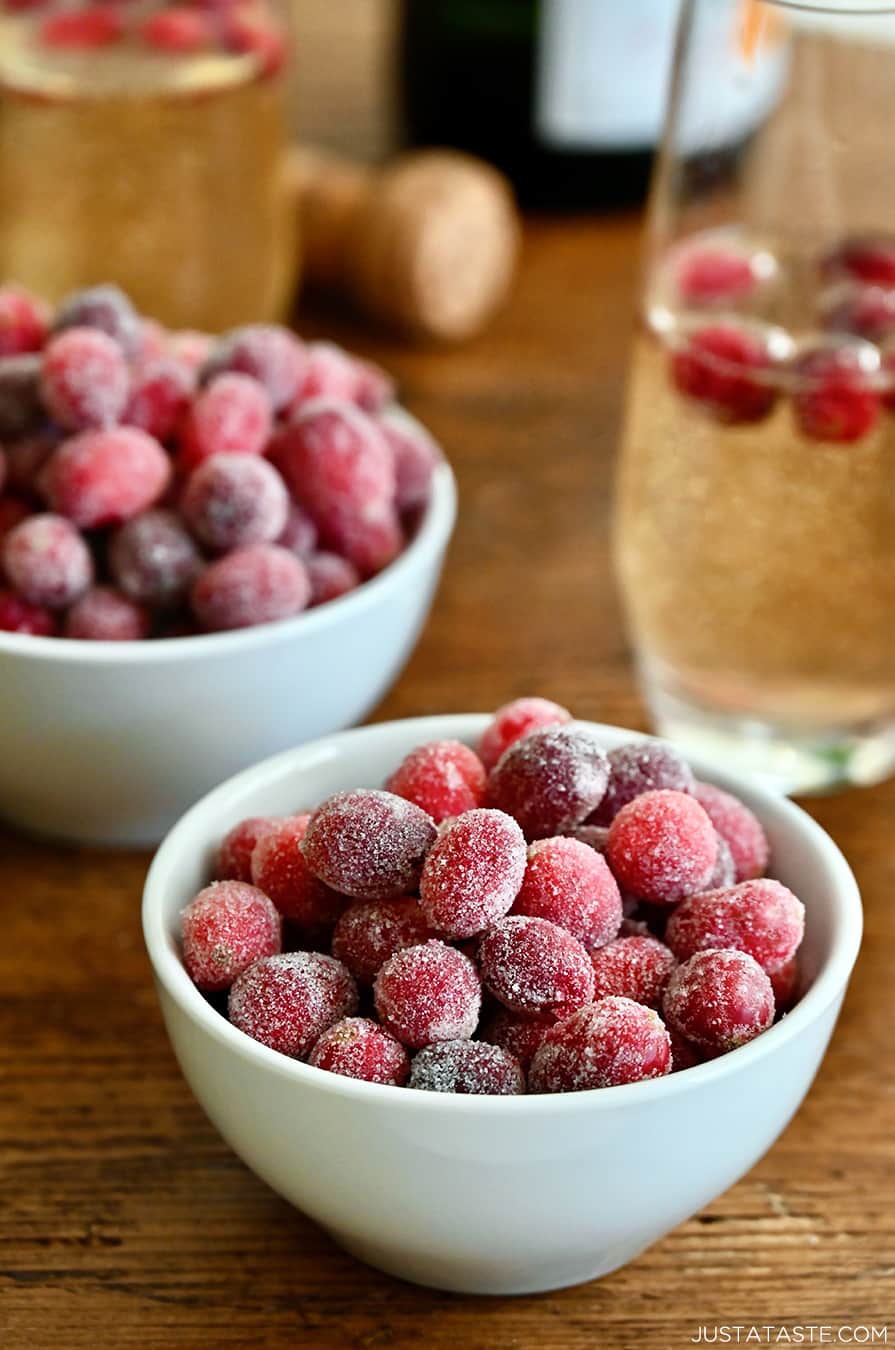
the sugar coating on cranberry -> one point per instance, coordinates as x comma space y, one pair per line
760, 917
428, 993
785, 984
258, 584
739, 826
725, 873
608, 1043
331, 576
719, 999
299, 534
534, 966
23, 321
570, 884
551, 780
280, 871
633, 967
21, 402
85, 380
233, 861
47, 561
273, 356
104, 614
154, 559
642, 766
368, 933
161, 388
339, 466
368, 844
515, 720
472, 1068
519, 1033
18, 616
358, 1048
105, 477
662, 846
372, 541
231, 501
231, 416
472, 872
836, 400
224, 929
726, 369
105, 308
445, 778
288, 1001
416, 455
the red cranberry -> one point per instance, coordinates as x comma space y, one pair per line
472, 1068
23, 321
534, 966
727, 370
428, 993
515, 720
105, 615
253, 585
224, 929
836, 400
105, 477
357, 1048
445, 778
605, 1044
368, 844
719, 1000
17, 616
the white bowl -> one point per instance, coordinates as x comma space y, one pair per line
496, 1195
109, 742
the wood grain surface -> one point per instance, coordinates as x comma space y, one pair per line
124, 1219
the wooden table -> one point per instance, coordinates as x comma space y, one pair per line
127, 1222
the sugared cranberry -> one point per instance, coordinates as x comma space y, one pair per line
445, 778
223, 930
835, 399
331, 576
17, 616
372, 542
273, 356
83, 29
231, 416
519, 1033
719, 999
515, 720
428, 993
85, 379
551, 780
472, 872
368, 844
608, 1043
727, 370
105, 308
161, 389
367, 934
299, 533
106, 615
47, 561
231, 501
21, 402
725, 873
471, 1068
331, 372
738, 825
23, 321
640, 767
234, 855
258, 584
760, 917
357, 1048
178, 30
105, 477
338, 465
280, 871
570, 884
417, 456
288, 1001
634, 967
153, 558
662, 846
534, 966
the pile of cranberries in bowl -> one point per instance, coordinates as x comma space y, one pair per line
159, 484
749, 329
532, 915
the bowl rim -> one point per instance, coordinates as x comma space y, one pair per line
431, 535
170, 974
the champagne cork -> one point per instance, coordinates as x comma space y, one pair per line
428, 243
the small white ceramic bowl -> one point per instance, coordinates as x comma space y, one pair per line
109, 742
491, 1195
